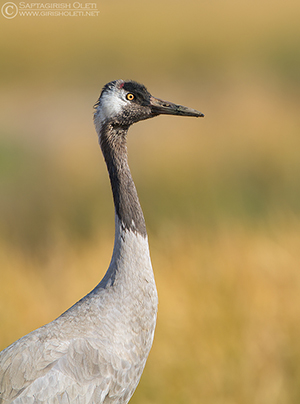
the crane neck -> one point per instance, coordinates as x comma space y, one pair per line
112, 140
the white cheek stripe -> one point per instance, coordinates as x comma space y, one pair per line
111, 104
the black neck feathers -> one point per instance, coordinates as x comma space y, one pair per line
127, 205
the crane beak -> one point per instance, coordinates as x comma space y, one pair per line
168, 108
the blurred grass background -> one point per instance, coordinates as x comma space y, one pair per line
221, 196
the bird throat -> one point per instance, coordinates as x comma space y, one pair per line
112, 140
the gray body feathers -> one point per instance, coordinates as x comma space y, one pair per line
96, 351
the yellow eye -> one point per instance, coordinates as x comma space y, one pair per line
130, 96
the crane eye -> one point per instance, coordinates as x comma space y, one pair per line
130, 97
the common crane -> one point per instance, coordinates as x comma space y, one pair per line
95, 352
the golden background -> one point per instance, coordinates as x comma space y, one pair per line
221, 195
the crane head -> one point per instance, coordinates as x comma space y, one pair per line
125, 102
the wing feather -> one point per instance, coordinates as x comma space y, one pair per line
36, 371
